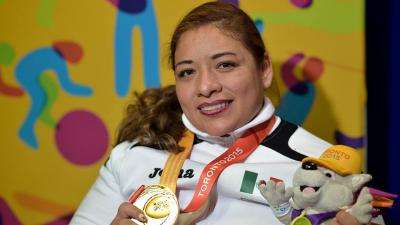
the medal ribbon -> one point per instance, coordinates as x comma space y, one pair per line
175, 161
238, 152
172, 166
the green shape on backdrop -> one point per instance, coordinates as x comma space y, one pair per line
51, 89
327, 15
45, 12
7, 53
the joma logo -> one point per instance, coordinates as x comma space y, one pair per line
182, 174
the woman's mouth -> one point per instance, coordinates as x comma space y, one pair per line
215, 107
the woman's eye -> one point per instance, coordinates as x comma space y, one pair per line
185, 73
226, 65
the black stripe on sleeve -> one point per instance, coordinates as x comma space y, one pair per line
278, 140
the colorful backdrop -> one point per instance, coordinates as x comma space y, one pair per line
68, 69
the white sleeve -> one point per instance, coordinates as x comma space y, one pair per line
101, 203
307, 143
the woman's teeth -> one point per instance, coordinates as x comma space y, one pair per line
214, 108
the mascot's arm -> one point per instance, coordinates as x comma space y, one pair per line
278, 198
362, 209
359, 213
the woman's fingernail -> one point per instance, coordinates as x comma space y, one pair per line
142, 218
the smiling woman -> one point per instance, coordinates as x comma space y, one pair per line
221, 70
219, 86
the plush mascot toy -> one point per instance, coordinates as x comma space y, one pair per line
322, 187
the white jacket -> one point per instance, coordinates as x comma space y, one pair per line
235, 199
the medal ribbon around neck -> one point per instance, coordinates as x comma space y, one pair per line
175, 161
238, 152
158, 201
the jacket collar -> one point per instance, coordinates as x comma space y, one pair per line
227, 140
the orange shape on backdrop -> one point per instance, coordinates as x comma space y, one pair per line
313, 69
42, 205
70, 51
9, 90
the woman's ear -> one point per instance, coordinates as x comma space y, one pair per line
267, 72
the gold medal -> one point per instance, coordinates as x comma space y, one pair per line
301, 220
159, 204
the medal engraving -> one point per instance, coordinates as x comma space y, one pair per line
159, 204
158, 207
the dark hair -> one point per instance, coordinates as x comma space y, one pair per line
229, 19
154, 120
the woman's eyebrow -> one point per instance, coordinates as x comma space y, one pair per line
183, 62
216, 56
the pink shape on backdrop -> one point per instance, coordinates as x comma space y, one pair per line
7, 217
81, 137
115, 2
302, 3
287, 69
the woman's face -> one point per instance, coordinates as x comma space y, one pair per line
219, 86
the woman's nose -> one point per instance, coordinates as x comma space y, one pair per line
208, 84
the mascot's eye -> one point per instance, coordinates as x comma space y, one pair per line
328, 175
309, 166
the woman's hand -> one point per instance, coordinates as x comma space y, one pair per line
126, 212
344, 218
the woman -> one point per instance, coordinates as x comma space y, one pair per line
221, 70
